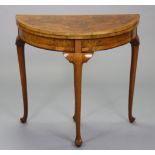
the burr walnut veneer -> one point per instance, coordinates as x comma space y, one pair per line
78, 37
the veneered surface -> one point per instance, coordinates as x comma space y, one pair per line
77, 26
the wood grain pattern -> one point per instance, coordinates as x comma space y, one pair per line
78, 36
77, 26
91, 45
54, 44
67, 45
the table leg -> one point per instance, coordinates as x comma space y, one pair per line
77, 85
134, 58
77, 59
21, 60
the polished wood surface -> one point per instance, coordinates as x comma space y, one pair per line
77, 27
78, 37
59, 32
21, 60
134, 57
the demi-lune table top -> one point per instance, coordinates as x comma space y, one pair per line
77, 26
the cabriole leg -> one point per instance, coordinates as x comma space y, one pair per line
21, 60
77, 59
134, 58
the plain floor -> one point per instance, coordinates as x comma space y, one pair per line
104, 122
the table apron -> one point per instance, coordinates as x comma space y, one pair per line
68, 45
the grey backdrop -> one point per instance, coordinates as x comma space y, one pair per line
50, 89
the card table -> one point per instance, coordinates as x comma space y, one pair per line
78, 37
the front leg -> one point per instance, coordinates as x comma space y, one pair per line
134, 58
77, 59
21, 60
